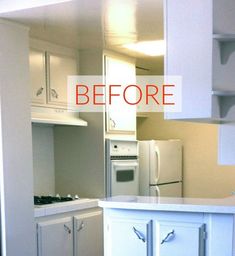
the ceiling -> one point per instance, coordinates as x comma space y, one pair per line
104, 24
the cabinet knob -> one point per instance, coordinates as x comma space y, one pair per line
54, 93
168, 237
139, 235
81, 226
39, 91
67, 229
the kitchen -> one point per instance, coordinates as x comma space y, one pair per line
19, 175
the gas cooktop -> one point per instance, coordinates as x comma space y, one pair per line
42, 200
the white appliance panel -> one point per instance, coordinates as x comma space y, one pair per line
166, 161
123, 148
122, 167
168, 190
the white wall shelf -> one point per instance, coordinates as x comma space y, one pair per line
224, 37
221, 93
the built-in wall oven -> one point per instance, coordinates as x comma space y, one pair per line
122, 167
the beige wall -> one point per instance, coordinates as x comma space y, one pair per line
203, 177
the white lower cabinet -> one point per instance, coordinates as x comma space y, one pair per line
55, 237
88, 235
128, 237
180, 239
77, 233
156, 234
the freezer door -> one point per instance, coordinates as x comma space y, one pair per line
166, 161
168, 190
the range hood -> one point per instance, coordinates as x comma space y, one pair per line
55, 116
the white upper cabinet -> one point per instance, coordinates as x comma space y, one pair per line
59, 67
200, 39
116, 69
120, 116
50, 66
37, 76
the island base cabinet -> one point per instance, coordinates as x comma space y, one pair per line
127, 237
88, 234
180, 239
55, 237
168, 228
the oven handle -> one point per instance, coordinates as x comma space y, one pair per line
126, 164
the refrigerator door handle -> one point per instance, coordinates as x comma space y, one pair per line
158, 164
156, 190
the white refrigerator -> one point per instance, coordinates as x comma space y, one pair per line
160, 168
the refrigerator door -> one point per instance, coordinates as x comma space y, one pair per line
168, 190
144, 168
165, 161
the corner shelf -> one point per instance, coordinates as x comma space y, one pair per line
221, 93
225, 104
226, 45
224, 37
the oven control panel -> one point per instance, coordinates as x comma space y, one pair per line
122, 147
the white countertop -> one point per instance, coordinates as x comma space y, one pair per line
224, 205
56, 208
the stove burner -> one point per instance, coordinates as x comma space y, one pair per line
41, 200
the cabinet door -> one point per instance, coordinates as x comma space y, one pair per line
180, 239
55, 237
59, 68
128, 237
88, 234
120, 116
37, 76
188, 34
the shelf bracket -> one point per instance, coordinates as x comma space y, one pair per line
226, 49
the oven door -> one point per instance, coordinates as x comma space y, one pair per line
124, 177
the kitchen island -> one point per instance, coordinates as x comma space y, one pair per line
164, 226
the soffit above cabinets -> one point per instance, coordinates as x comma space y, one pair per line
94, 24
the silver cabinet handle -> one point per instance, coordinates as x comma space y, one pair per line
168, 237
81, 226
139, 235
113, 123
67, 229
39, 91
54, 93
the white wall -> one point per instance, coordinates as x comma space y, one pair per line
16, 168
203, 177
83, 172
43, 160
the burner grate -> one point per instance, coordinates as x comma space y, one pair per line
41, 200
